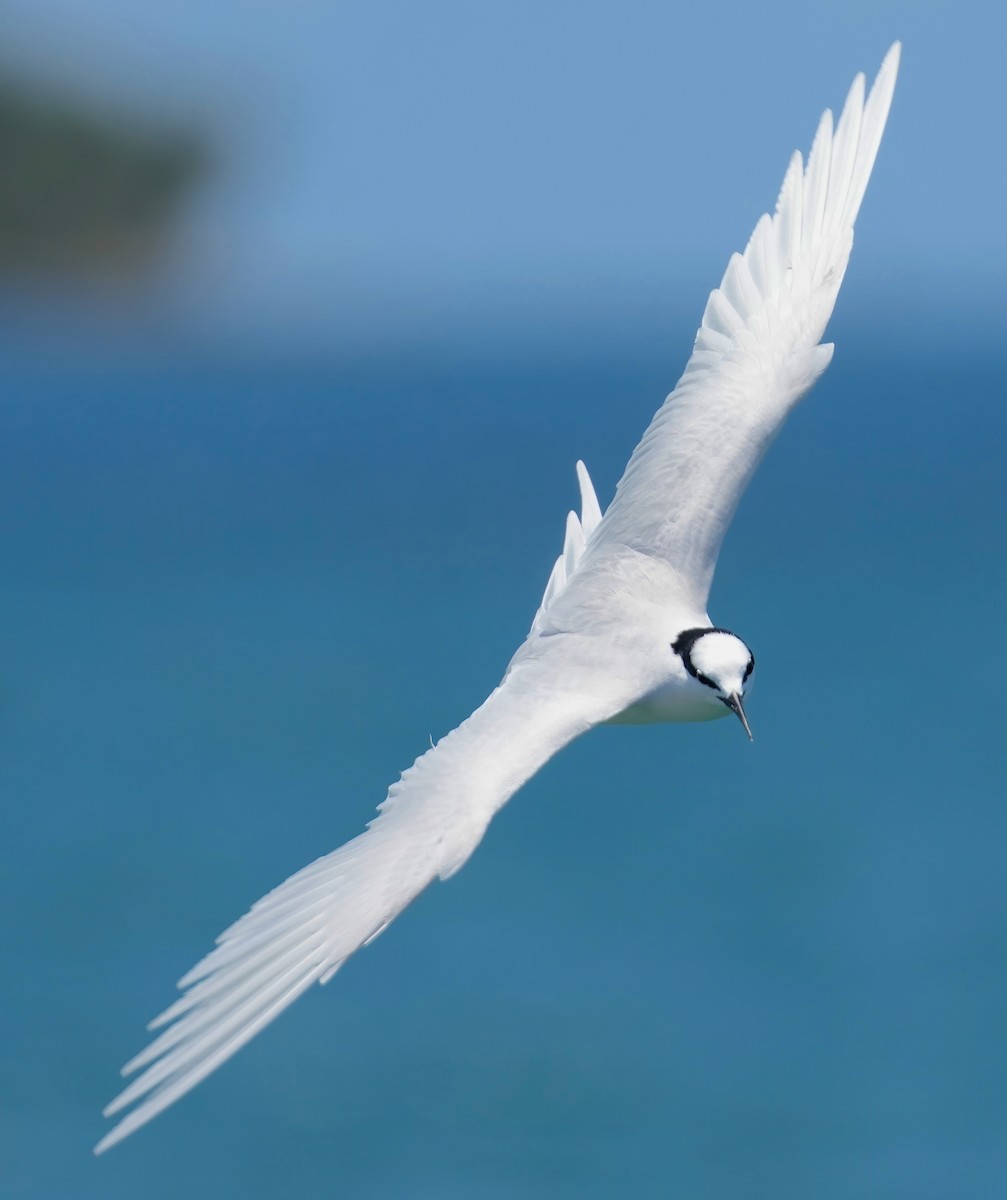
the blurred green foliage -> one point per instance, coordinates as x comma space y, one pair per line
83, 193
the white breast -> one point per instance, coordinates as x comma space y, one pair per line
678, 698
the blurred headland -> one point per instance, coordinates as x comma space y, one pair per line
87, 197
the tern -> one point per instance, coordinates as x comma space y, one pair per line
622, 633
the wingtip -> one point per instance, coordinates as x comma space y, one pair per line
888, 72
118, 1133
106, 1143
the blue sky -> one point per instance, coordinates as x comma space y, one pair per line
389, 165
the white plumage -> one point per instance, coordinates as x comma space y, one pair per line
756, 353
613, 638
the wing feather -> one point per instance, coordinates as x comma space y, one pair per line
578, 531
590, 510
756, 353
428, 825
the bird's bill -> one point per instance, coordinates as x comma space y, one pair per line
733, 702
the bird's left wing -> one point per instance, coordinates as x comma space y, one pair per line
431, 821
756, 353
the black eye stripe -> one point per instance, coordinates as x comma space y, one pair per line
683, 644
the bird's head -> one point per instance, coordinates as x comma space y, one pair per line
720, 661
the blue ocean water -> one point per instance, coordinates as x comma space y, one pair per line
236, 600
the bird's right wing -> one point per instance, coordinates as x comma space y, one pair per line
432, 820
756, 353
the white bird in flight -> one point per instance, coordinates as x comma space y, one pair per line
622, 633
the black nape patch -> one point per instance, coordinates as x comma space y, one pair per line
683, 644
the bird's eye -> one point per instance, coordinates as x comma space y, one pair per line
750, 668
